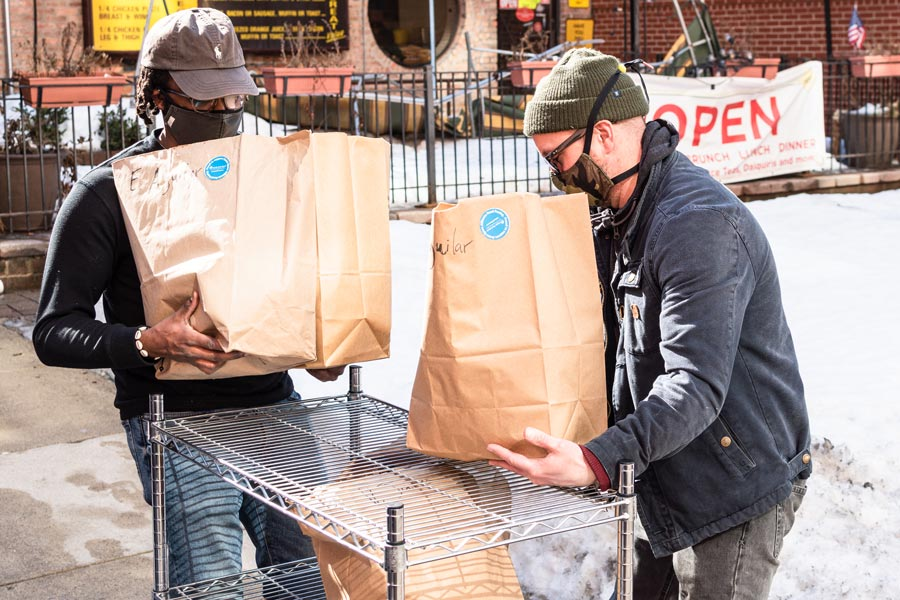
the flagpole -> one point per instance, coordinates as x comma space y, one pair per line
829, 49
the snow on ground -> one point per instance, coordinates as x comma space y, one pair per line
837, 257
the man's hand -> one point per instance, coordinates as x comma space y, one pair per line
326, 375
175, 338
564, 464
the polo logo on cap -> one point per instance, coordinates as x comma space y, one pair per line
218, 51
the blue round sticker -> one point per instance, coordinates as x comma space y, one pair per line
494, 224
217, 168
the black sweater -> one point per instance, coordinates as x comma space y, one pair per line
90, 257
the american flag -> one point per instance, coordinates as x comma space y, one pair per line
856, 32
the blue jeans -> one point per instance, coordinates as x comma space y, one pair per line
205, 517
737, 564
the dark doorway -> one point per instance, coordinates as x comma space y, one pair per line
510, 28
401, 28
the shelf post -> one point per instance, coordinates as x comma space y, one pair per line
158, 492
625, 512
395, 553
355, 382
353, 395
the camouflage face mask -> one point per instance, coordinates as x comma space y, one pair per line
587, 176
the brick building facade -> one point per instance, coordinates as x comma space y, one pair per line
476, 17
790, 29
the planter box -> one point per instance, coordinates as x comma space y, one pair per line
306, 81
875, 66
760, 67
527, 74
26, 180
870, 140
56, 92
376, 117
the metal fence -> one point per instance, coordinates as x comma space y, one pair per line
862, 116
472, 145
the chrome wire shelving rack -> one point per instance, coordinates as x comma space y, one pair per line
340, 467
271, 583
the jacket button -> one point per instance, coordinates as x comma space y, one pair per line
725, 441
806, 458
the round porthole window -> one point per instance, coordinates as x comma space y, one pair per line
401, 28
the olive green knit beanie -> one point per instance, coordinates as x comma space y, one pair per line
563, 99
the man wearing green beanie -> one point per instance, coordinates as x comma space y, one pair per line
706, 392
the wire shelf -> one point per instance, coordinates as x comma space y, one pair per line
290, 581
336, 463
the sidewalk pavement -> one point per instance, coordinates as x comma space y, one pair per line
74, 521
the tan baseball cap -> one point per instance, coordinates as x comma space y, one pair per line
200, 50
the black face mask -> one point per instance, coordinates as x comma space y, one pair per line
188, 126
586, 175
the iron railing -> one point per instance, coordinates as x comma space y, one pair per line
472, 145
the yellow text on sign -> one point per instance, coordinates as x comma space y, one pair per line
579, 29
118, 25
579, 3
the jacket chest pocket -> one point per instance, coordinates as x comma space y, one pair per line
638, 313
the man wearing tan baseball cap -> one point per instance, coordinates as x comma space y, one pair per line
193, 73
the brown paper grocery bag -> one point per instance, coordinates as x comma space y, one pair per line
514, 332
487, 574
348, 180
225, 217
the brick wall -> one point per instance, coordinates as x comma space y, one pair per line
478, 17
791, 29
22, 261
52, 18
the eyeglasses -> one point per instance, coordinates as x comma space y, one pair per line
550, 157
231, 102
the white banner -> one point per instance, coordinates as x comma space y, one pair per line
743, 128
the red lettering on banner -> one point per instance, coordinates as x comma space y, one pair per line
700, 128
679, 114
756, 113
729, 121
733, 123
794, 145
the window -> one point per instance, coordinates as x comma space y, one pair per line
401, 28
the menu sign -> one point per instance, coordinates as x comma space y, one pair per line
118, 25
260, 23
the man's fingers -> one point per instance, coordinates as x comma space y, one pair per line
192, 337
190, 352
498, 450
206, 366
518, 463
190, 307
541, 439
327, 374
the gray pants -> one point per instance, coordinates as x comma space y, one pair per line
737, 564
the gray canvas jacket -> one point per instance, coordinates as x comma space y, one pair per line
706, 391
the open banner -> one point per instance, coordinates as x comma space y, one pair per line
743, 128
